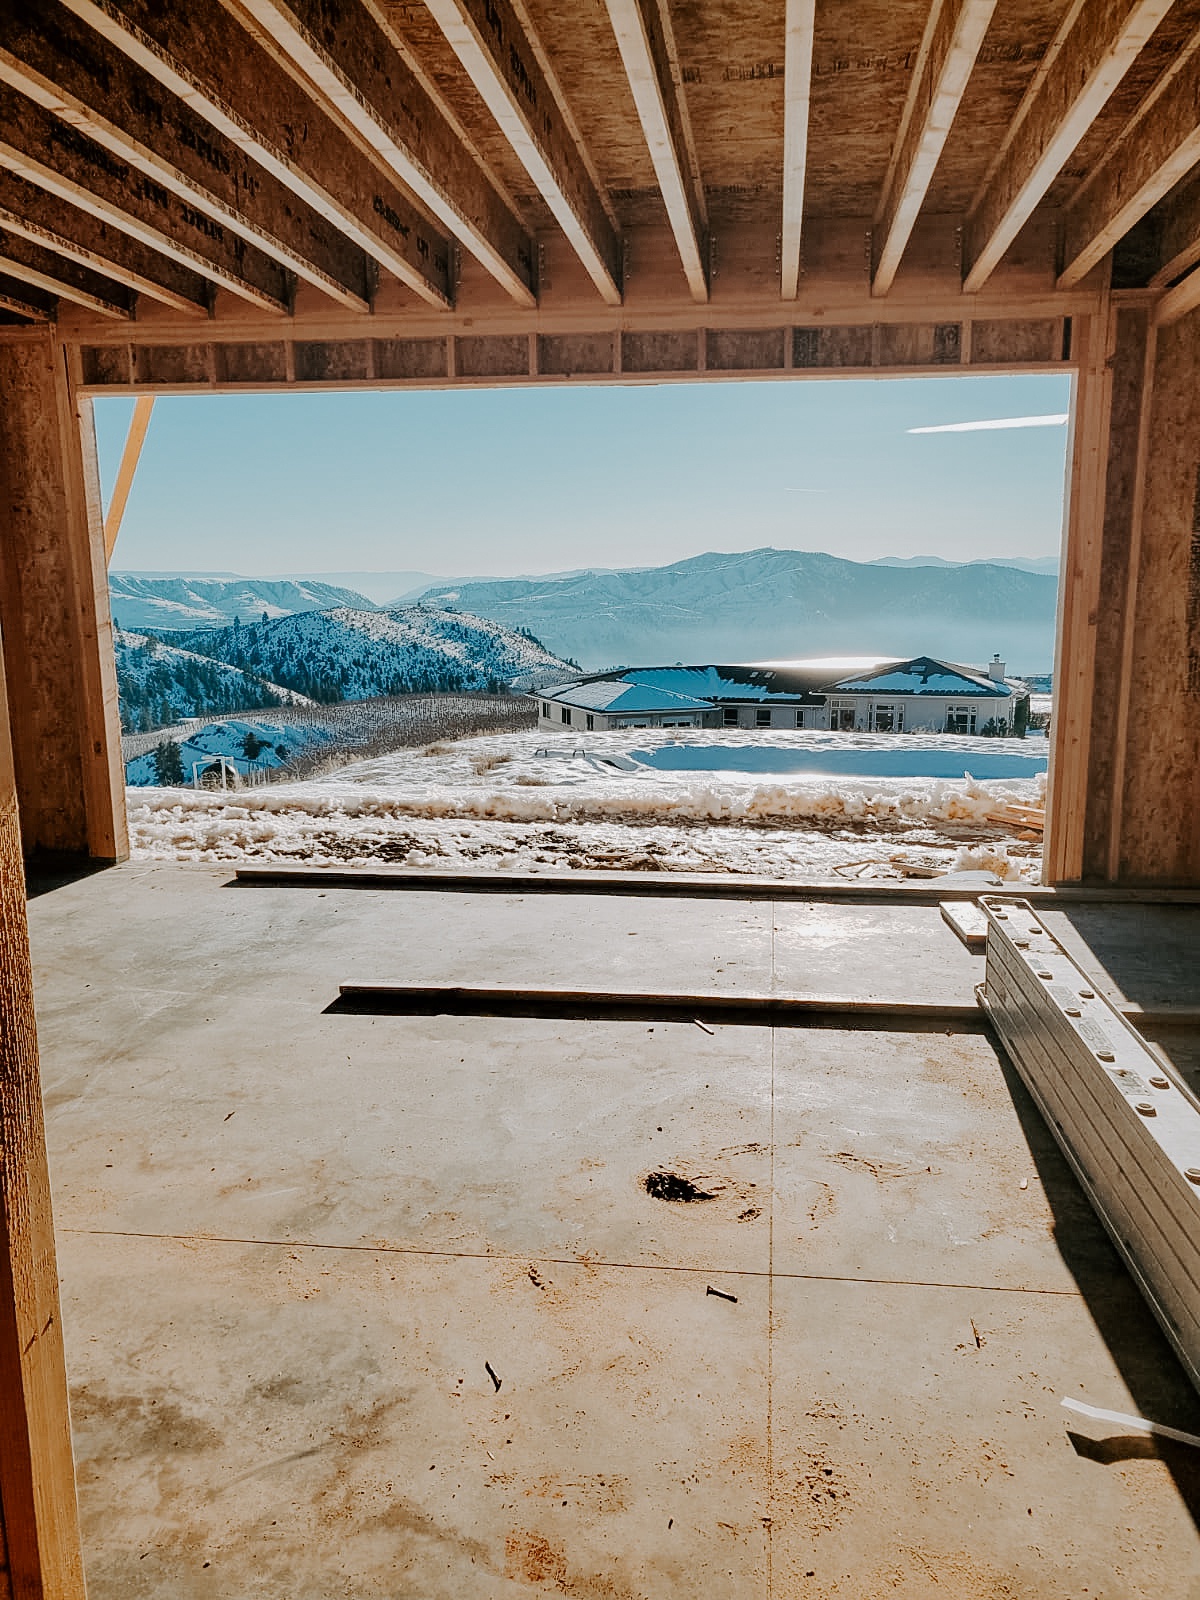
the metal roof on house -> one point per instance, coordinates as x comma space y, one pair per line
700, 688
617, 695
924, 676
695, 687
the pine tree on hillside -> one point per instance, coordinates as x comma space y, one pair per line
168, 764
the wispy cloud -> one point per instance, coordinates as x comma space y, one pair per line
1055, 421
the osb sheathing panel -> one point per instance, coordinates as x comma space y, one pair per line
862, 63
1013, 47
1163, 48
426, 43
579, 40
731, 59
1159, 837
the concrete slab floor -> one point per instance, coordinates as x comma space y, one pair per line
293, 1243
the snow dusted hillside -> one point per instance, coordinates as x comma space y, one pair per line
347, 654
160, 684
244, 745
177, 603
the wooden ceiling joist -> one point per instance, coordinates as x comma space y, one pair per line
1100, 44
643, 38
202, 55
340, 48
68, 69
81, 237
495, 50
1177, 234
1159, 146
26, 301
58, 158
954, 37
799, 35
1179, 301
34, 264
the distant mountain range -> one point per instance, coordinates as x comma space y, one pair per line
354, 654
762, 605
749, 606
1045, 564
140, 601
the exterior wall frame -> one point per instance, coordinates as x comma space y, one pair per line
54, 609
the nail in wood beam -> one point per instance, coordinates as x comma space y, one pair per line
800, 26
498, 57
70, 71
1101, 45
366, 86
641, 27
955, 36
37, 1469
34, 264
1160, 145
208, 60
64, 162
79, 237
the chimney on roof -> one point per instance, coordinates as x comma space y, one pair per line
996, 669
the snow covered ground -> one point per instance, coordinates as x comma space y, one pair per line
768, 803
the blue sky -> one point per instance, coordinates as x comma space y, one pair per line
536, 480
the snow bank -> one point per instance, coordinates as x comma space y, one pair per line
510, 799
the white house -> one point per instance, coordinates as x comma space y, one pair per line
928, 696
850, 695
682, 697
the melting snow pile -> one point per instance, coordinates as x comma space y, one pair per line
512, 801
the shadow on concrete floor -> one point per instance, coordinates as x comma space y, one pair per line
46, 872
1158, 1384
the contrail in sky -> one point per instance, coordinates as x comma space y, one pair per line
1055, 421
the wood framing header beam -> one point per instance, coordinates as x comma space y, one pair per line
1101, 42
641, 28
498, 56
799, 34
1158, 148
69, 70
338, 46
208, 60
955, 37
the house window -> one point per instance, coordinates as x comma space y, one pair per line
762, 717
565, 713
729, 716
889, 719
591, 722
546, 708
799, 717
960, 719
841, 718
